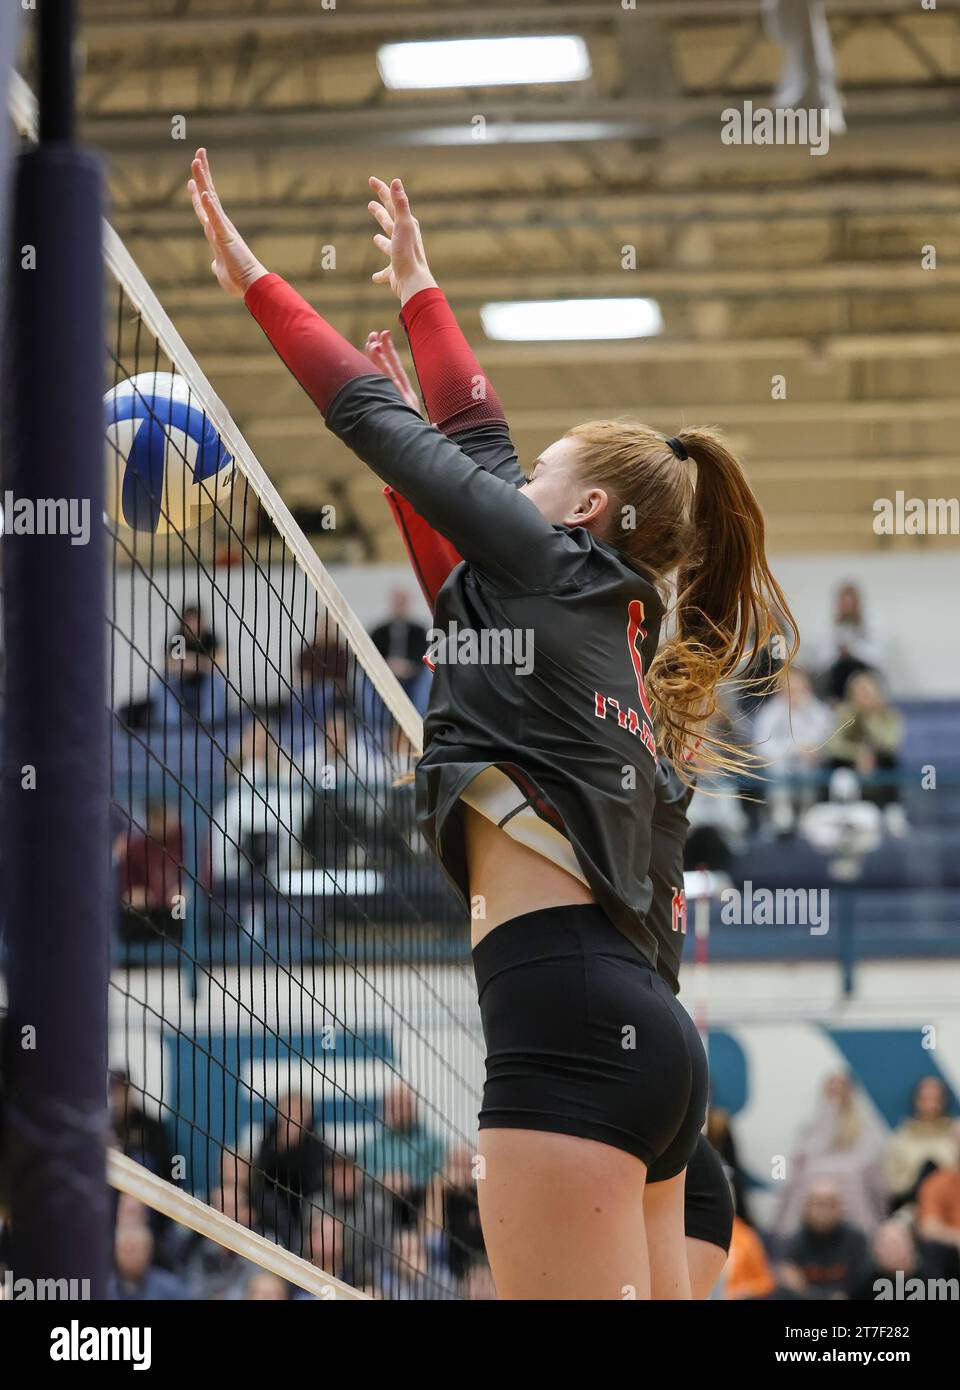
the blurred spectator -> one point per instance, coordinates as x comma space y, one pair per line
410, 1274
290, 1166
827, 1258
149, 872
192, 684
135, 1278
256, 829
343, 817
925, 1141
352, 1236
720, 1135
844, 827
402, 644
403, 1154
139, 1135
747, 1273
330, 676
789, 733
841, 1145
893, 1251
867, 740
452, 1212
209, 1269
851, 646
718, 816
938, 1217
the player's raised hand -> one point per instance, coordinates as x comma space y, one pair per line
234, 264
382, 352
400, 240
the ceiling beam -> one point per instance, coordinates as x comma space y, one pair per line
737, 415
776, 281
119, 22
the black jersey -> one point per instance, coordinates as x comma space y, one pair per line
541, 640
543, 633
667, 914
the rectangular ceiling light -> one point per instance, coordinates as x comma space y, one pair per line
484, 62
559, 320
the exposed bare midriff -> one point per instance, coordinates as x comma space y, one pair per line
508, 879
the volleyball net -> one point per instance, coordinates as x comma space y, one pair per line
295, 1050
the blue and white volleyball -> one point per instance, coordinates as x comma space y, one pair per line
167, 468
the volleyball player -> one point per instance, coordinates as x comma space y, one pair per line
461, 401
591, 1062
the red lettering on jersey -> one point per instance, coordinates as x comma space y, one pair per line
678, 911
628, 718
636, 632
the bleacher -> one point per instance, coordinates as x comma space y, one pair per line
904, 899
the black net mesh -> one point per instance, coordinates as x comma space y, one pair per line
293, 1031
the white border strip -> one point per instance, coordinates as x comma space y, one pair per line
23, 109
130, 1177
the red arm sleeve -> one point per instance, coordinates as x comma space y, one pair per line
320, 359
455, 389
431, 555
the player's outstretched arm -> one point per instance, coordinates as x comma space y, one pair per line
459, 397
488, 521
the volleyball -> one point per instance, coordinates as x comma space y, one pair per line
167, 468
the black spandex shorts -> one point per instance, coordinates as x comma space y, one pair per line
584, 1038
707, 1199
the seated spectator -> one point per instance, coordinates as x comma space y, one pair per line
925, 1141
257, 828
747, 1273
405, 1276
352, 1236
403, 1154
149, 870
867, 739
720, 1134
402, 644
328, 676
938, 1217
135, 1278
851, 646
347, 778
326, 1248
842, 1145
138, 1135
893, 1251
789, 733
209, 1269
827, 1258
719, 815
193, 686
844, 827
290, 1165
453, 1214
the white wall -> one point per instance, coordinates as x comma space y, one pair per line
909, 601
